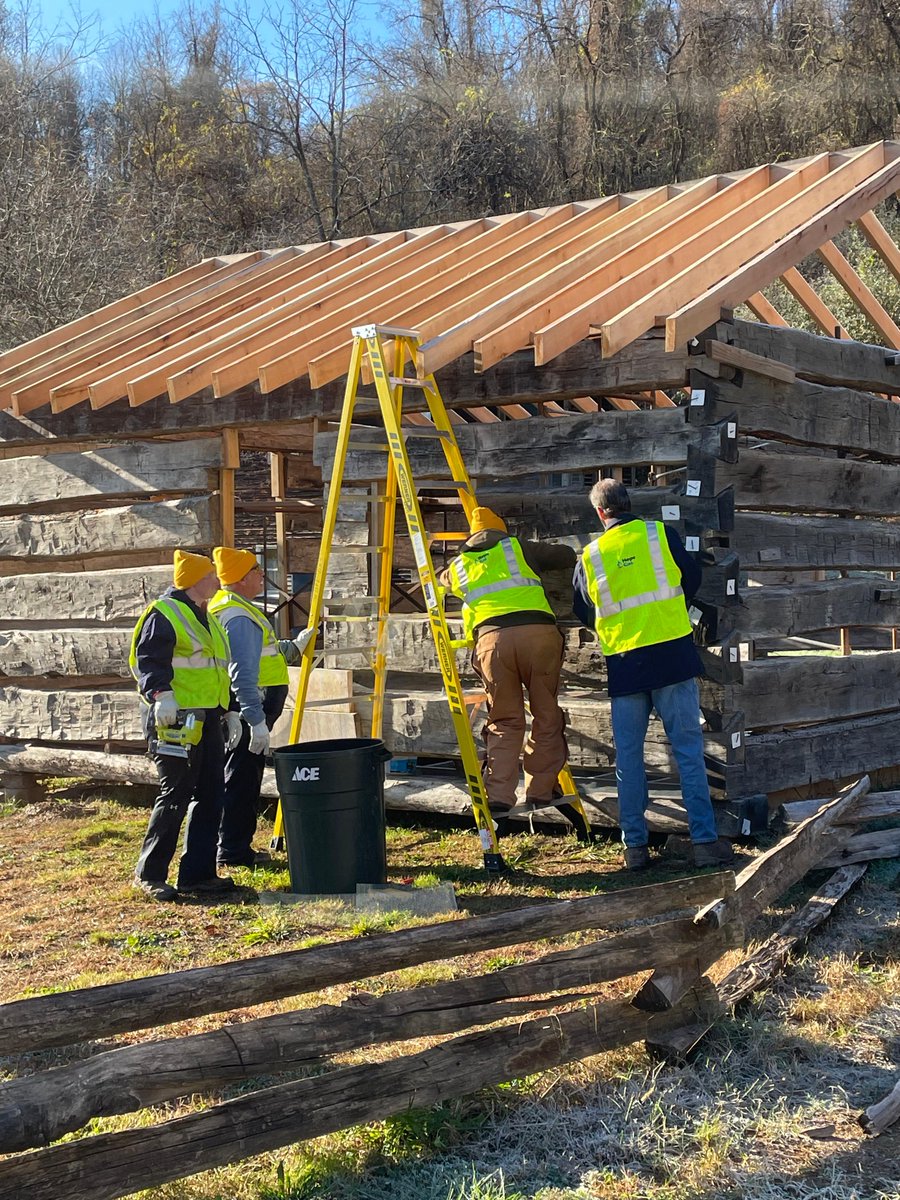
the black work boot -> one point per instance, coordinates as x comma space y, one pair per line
713, 854
637, 858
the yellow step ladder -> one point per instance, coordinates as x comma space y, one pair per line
368, 344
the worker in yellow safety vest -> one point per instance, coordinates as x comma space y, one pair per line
258, 670
516, 644
179, 659
632, 587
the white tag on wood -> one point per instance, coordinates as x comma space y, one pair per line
694, 614
730, 587
692, 543
698, 398
671, 512
735, 740
745, 827
692, 487
731, 429
733, 653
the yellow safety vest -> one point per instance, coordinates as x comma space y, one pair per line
199, 660
635, 585
273, 668
494, 582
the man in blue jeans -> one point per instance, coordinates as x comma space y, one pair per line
632, 587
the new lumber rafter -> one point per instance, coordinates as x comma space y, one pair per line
861, 295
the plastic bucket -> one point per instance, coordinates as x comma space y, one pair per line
332, 804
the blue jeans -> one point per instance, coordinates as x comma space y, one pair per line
678, 707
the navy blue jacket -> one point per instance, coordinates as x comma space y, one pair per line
647, 667
156, 646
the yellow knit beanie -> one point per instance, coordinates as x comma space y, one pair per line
232, 565
485, 518
191, 568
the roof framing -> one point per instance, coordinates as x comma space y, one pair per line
610, 268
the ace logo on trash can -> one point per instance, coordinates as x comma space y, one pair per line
305, 774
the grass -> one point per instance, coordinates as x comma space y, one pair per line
744, 1119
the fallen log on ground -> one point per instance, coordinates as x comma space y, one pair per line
877, 806
115, 1164
761, 967
865, 847
881, 1116
764, 880
38, 1109
90, 1013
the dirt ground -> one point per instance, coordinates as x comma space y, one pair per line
767, 1108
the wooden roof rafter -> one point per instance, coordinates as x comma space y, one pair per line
610, 268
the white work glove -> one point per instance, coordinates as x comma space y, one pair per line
259, 738
165, 710
304, 637
233, 729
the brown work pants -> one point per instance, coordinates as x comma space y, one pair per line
507, 660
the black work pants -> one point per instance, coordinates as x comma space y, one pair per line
192, 787
243, 780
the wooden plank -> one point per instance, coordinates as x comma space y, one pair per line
161, 526
785, 610
781, 691
41, 1108
807, 413
861, 295
139, 467
881, 242
604, 294
769, 480
804, 294
95, 1168
825, 360
881, 1116
64, 378
848, 204
734, 356
111, 715
116, 597
90, 1013
571, 443
767, 542
509, 324
865, 847
765, 310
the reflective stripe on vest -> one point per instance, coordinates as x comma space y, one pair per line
503, 583
226, 606
655, 612
604, 603
200, 656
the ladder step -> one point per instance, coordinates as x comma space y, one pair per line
423, 431
402, 381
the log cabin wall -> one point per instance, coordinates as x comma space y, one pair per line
86, 541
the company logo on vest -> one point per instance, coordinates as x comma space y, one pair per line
305, 774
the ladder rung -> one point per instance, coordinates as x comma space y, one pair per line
456, 536
403, 381
423, 431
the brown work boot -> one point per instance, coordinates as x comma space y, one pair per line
637, 858
713, 854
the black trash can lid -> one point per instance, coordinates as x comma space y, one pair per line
331, 746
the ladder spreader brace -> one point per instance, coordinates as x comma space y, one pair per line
368, 342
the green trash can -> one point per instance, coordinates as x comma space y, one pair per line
332, 804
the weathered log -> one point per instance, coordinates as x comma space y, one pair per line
828, 360
765, 541
139, 527
812, 414
784, 610
760, 968
110, 715
833, 750
38, 1109
571, 443
114, 1164
781, 691
877, 806
809, 483
99, 654
579, 371
761, 882
881, 1116
866, 847
127, 469
90, 1013
116, 597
